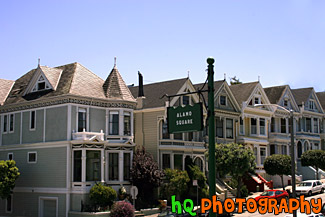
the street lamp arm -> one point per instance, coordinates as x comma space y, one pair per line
276, 105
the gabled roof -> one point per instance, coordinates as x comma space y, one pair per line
301, 95
274, 93
321, 98
5, 87
114, 87
153, 92
216, 85
243, 91
52, 75
75, 79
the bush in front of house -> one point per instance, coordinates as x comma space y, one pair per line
102, 196
122, 209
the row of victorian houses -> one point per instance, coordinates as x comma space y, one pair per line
66, 128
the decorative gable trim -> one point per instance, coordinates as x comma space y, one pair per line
287, 94
259, 92
38, 82
314, 97
230, 95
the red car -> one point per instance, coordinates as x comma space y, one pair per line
276, 194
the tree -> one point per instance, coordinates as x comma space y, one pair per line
234, 81
8, 175
278, 164
146, 175
102, 196
176, 183
235, 160
314, 158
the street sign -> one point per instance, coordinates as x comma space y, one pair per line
185, 119
134, 192
195, 182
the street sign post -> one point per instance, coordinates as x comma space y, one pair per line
134, 193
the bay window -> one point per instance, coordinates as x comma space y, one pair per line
113, 166
283, 125
308, 124
316, 125
118, 165
93, 166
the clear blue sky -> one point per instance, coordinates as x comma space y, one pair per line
282, 41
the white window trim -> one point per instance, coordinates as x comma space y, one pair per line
41, 207
6, 116
10, 154
32, 152
47, 83
30, 120
87, 117
12, 200
13, 122
120, 165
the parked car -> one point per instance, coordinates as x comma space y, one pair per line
276, 194
309, 187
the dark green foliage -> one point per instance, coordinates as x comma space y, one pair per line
8, 175
176, 183
122, 209
244, 191
314, 158
146, 175
235, 160
195, 173
102, 196
278, 164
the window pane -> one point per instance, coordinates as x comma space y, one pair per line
113, 166
262, 126
127, 124
31, 157
222, 100
263, 155
5, 123
229, 128
166, 161
93, 166
178, 162
272, 149
241, 124
178, 136
283, 125
127, 166
198, 162
186, 100
9, 201
253, 126
315, 125
11, 125
308, 124
32, 120
114, 123
165, 134
82, 120
272, 125
219, 128
77, 166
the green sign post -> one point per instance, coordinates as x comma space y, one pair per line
185, 119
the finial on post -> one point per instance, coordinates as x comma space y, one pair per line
259, 79
210, 60
39, 62
114, 61
188, 74
224, 76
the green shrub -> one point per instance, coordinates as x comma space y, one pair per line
122, 209
102, 196
244, 191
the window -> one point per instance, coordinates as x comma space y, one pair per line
219, 128
285, 103
32, 157
5, 123
77, 165
255, 154
316, 146
253, 126
186, 100
198, 162
32, 120
165, 134
10, 156
316, 125
126, 166
165, 161
283, 125
272, 149
284, 149
93, 166
82, 119
308, 124
11, 122
223, 100
312, 105
229, 128
113, 123
262, 126
263, 155
127, 124
41, 84
272, 125
178, 136
113, 165
178, 162
9, 204
241, 126
257, 100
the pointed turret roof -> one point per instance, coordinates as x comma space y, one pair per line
115, 88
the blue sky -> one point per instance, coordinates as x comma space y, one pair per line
282, 41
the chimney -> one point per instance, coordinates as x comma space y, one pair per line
140, 92
141, 97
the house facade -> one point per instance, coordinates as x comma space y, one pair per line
66, 128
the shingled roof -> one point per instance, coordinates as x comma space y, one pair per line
75, 79
301, 95
115, 88
153, 92
216, 85
243, 91
274, 93
321, 98
5, 87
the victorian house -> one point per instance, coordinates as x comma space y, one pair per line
66, 128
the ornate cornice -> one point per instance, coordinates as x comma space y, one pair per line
64, 100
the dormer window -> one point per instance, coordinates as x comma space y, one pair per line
41, 84
257, 100
186, 100
223, 100
312, 105
285, 103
